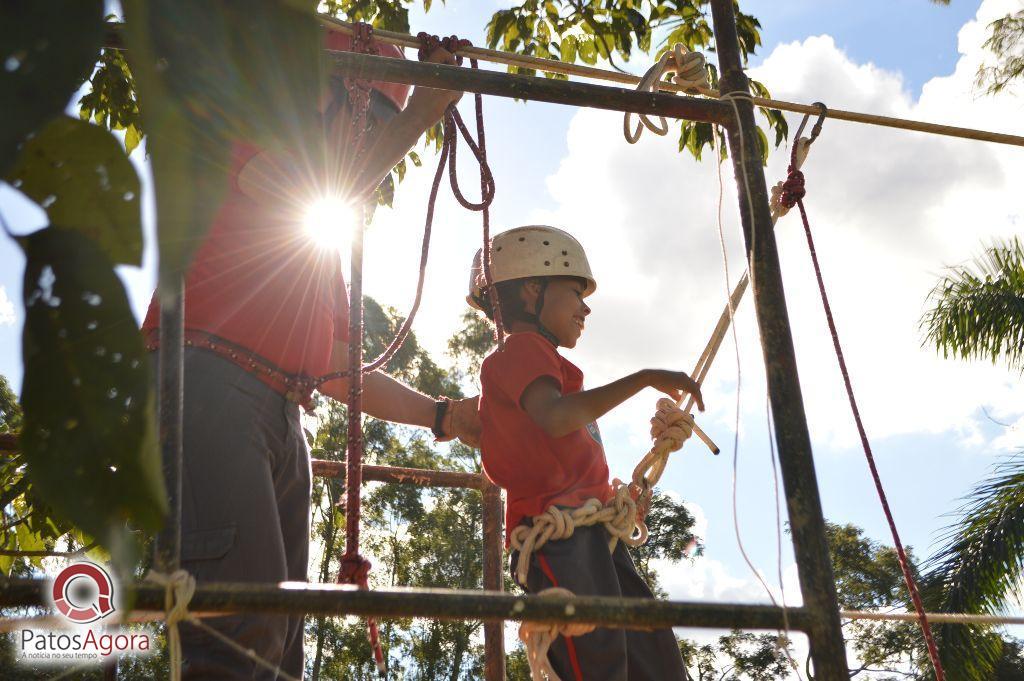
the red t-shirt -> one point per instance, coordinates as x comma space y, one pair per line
259, 281
535, 469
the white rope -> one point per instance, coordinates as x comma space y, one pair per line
940, 617
538, 637
689, 72
777, 210
179, 588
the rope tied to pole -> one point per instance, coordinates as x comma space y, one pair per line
689, 72
355, 569
179, 587
792, 193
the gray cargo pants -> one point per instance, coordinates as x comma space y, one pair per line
245, 512
583, 564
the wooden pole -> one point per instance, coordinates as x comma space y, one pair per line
529, 88
494, 632
442, 604
583, 71
817, 583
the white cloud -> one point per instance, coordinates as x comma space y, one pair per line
890, 210
6, 308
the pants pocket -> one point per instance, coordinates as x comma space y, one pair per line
204, 550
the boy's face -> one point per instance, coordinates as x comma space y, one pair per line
565, 312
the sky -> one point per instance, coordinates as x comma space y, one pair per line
891, 210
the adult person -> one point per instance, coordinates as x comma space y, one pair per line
265, 310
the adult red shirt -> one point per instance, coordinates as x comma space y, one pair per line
260, 282
536, 470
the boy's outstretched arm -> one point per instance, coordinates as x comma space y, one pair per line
559, 414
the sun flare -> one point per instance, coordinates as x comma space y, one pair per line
328, 222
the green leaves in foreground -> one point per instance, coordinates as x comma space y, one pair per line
48, 49
81, 177
88, 434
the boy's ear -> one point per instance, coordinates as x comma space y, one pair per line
529, 292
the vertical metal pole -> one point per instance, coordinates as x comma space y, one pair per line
354, 453
494, 632
170, 395
817, 582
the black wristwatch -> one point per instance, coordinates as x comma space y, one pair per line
440, 409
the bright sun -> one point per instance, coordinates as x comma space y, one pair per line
328, 222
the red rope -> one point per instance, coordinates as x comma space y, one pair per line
355, 569
792, 194
452, 126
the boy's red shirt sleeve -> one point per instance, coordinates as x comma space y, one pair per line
526, 358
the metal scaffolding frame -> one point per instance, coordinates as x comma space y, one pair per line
818, 617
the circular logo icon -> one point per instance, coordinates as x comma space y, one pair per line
83, 592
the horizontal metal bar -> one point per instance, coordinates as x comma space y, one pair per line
402, 476
531, 88
331, 599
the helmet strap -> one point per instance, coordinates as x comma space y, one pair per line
541, 329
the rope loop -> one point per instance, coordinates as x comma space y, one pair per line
688, 70
538, 637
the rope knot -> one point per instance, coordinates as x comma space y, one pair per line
670, 425
793, 190
429, 43
354, 570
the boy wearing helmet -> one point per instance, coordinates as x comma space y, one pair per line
265, 305
540, 442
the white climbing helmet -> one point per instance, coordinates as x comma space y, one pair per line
531, 251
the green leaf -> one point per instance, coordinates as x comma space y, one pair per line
568, 49
48, 49
587, 51
88, 436
80, 175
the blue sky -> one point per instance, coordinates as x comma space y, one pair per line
890, 210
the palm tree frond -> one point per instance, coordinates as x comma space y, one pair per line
978, 310
980, 565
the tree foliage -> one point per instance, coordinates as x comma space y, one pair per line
978, 310
978, 569
1006, 41
574, 31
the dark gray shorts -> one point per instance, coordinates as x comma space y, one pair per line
583, 564
245, 511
